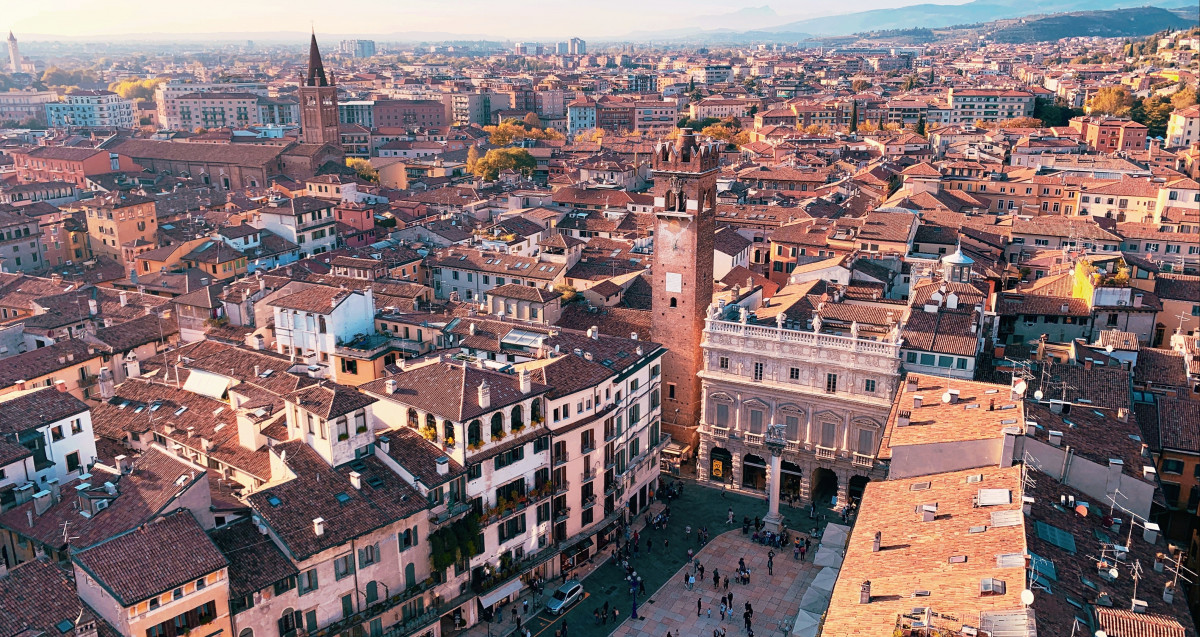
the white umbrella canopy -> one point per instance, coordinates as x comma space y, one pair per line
835, 535
825, 579
806, 625
828, 557
815, 600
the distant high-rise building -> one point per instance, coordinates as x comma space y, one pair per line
318, 102
578, 47
562, 48
520, 48
358, 48
14, 54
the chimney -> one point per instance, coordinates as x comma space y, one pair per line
259, 342
903, 418
525, 380
124, 296
471, 329
917, 401
123, 463
929, 512
20, 385
1065, 307
485, 395
204, 281
876, 542
384, 443
257, 371
1150, 532
1169, 592
864, 594
319, 526
356, 480
93, 307
443, 465
633, 336
953, 396
593, 333
133, 367
389, 385
910, 383
60, 385
55, 489
1137, 300
24, 493
1149, 473
1115, 467
1123, 414
42, 501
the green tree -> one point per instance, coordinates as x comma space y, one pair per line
920, 129
1154, 112
363, 169
496, 160
911, 82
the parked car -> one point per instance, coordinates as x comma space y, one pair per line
565, 597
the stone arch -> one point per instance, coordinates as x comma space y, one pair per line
497, 425
475, 433
516, 418
720, 465
855, 486
414, 419
754, 471
792, 479
824, 485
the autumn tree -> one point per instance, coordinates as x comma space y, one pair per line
512, 131
533, 121
726, 133
472, 158
363, 169
1154, 112
858, 86
497, 160
1021, 122
1111, 100
136, 89
1183, 98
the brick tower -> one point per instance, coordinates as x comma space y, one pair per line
318, 102
685, 196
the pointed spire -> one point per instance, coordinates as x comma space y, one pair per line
316, 70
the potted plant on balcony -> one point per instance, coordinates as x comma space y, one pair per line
475, 446
498, 435
342, 437
448, 443
429, 433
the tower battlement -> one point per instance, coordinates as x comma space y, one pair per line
686, 154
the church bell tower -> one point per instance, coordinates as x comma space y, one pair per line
685, 196
318, 102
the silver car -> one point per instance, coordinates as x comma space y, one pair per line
565, 597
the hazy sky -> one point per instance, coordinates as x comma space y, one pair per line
547, 19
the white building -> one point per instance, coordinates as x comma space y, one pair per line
1183, 128
312, 323
91, 109
55, 427
305, 221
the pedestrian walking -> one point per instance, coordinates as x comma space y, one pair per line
722, 611
731, 601
615, 614
685, 579
700, 568
726, 582
596, 614
771, 563
525, 606
730, 520
749, 609
699, 605
514, 615
716, 580
687, 532
641, 587
666, 543
691, 581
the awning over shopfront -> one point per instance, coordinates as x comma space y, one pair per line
489, 598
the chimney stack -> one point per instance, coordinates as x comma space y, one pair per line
319, 526
384, 443
124, 296
864, 594
443, 465
903, 418
356, 480
525, 380
917, 401
390, 385
876, 542
485, 395
42, 501
93, 307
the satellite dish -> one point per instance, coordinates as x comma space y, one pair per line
1108, 348
1113, 572
1020, 387
1037, 395
1027, 597
946, 397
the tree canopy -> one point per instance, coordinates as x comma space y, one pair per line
499, 159
363, 168
1111, 100
511, 131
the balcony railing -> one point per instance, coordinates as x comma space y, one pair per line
718, 432
561, 458
825, 453
863, 460
449, 512
588, 475
380, 607
411, 625
561, 486
588, 449
562, 515
753, 439
589, 501
794, 445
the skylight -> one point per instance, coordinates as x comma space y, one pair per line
274, 500
342, 497
1056, 536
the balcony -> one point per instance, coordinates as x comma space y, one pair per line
413, 624
589, 501
561, 458
718, 432
561, 486
588, 448
753, 439
88, 380
794, 445
826, 453
588, 475
562, 515
379, 608
863, 460
449, 512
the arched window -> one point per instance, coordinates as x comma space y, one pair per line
431, 421
287, 623
372, 593
497, 425
412, 418
516, 419
246, 632
447, 430
321, 324
673, 302
535, 411
474, 432
410, 575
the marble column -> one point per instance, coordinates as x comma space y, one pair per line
774, 521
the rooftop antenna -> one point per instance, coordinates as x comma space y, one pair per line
1137, 576
67, 537
1177, 568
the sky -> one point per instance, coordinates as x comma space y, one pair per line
550, 20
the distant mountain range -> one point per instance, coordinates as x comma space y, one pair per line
1118, 23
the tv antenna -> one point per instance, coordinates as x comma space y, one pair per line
67, 537
1177, 569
